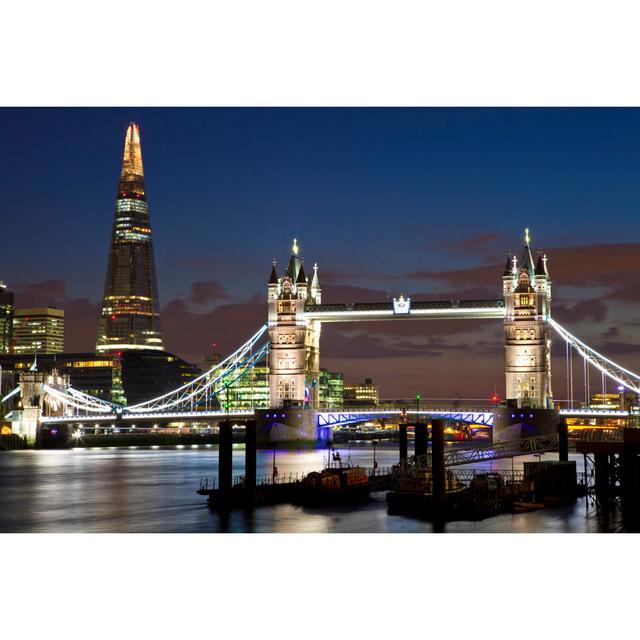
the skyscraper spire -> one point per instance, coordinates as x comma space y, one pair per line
132, 174
130, 316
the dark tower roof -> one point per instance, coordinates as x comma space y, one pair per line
301, 277
508, 267
273, 278
294, 263
541, 265
292, 268
527, 258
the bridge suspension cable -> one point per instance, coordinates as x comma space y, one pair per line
608, 368
190, 395
78, 400
211, 382
10, 395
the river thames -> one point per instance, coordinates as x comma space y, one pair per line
153, 490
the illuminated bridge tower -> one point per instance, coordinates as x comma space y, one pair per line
294, 354
130, 317
527, 296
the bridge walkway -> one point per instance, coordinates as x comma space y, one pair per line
454, 457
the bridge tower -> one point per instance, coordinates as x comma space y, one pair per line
34, 400
294, 354
527, 296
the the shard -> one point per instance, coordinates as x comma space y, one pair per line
130, 317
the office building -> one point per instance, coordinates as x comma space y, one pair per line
331, 389
249, 392
38, 330
364, 394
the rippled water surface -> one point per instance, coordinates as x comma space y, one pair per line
154, 490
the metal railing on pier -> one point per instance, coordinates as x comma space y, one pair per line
601, 435
453, 457
465, 476
211, 484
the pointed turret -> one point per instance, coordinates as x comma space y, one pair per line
273, 278
301, 279
294, 263
316, 291
541, 265
527, 258
508, 267
302, 286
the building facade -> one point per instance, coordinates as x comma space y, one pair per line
6, 318
39, 330
527, 296
249, 392
130, 316
363, 394
331, 390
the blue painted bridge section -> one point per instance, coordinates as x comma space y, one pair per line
342, 418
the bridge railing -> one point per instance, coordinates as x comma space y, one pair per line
408, 408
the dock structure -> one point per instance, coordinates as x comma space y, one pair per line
249, 491
612, 470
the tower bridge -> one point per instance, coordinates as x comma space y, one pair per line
290, 342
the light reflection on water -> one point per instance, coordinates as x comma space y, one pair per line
153, 490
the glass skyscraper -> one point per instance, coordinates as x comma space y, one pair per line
130, 317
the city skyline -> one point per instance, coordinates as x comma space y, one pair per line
219, 295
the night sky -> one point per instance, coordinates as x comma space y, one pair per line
420, 201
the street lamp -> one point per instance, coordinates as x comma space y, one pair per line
418, 397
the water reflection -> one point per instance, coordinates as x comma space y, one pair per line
153, 490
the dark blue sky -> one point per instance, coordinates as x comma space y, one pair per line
374, 194
386, 191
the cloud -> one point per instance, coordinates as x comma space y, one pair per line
81, 317
329, 276
612, 348
80, 314
337, 293
612, 265
593, 309
203, 293
37, 294
191, 333
611, 332
478, 243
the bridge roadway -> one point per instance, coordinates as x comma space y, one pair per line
482, 417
